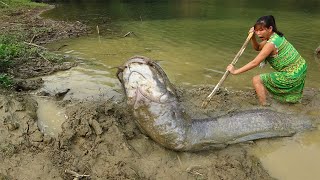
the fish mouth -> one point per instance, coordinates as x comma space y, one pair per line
143, 76
134, 59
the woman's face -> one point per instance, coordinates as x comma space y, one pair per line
263, 32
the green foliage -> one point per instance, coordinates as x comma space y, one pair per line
10, 4
13, 50
5, 80
10, 49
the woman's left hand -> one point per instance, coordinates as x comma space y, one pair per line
231, 69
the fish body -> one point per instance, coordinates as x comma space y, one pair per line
157, 112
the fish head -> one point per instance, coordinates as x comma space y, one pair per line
144, 81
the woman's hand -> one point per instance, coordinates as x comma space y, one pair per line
251, 30
231, 69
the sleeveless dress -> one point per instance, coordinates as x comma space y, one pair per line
286, 85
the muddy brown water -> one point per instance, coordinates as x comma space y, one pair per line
50, 117
293, 159
193, 40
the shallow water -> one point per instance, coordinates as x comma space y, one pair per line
84, 83
194, 41
291, 158
50, 117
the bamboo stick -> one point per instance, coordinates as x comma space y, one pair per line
225, 75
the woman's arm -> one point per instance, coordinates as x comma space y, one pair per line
264, 53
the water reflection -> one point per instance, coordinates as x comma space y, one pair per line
116, 10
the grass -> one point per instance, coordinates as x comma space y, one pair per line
14, 4
13, 50
10, 6
9, 50
5, 80
13, 47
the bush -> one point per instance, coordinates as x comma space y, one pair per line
9, 50
13, 50
5, 81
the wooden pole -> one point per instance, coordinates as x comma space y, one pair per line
225, 75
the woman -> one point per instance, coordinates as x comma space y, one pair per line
287, 83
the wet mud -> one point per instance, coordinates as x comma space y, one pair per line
100, 139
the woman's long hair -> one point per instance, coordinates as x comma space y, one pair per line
267, 21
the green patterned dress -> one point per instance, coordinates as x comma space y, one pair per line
286, 85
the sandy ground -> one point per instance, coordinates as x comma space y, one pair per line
101, 140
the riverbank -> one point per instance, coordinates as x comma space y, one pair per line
99, 138
23, 35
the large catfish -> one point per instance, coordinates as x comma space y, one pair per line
155, 107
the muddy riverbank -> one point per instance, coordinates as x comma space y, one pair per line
99, 138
